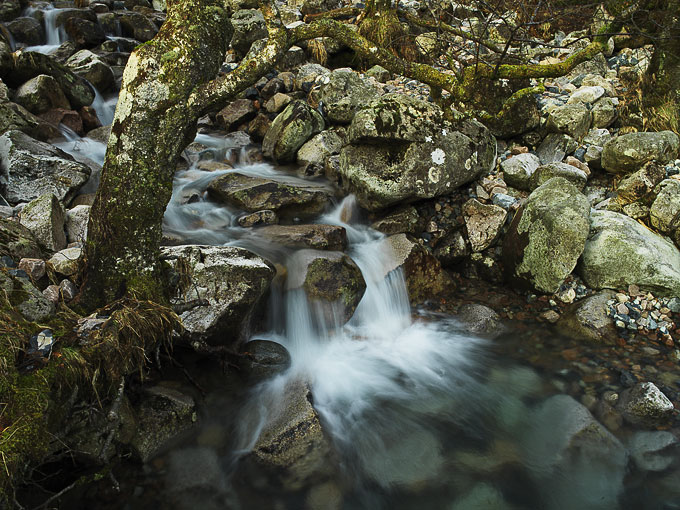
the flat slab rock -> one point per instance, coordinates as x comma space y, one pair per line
29, 169
319, 237
229, 281
256, 194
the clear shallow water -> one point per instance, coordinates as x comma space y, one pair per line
419, 413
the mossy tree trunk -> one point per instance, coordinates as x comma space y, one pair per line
153, 123
665, 64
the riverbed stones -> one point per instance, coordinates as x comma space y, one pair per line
332, 282
45, 217
162, 414
137, 26
17, 241
264, 217
40, 94
27, 30
547, 236
15, 117
316, 236
28, 64
29, 169
544, 173
424, 276
296, 124
255, 194
645, 405
483, 223
293, 441
664, 214
627, 153
517, 170
345, 93
621, 252
571, 119
588, 320
401, 149
482, 496
219, 286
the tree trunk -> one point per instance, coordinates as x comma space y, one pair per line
155, 119
665, 65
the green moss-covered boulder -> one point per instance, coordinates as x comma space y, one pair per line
332, 282
45, 217
571, 119
627, 153
620, 252
546, 236
402, 149
296, 124
255, 194
40, 94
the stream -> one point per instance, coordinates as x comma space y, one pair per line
420, 414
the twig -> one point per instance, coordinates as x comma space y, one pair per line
114, 419
56, 496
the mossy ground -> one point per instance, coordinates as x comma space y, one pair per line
32, 400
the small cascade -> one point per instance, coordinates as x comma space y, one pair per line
105, 108
54, 35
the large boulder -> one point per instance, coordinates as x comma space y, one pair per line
627, 153
29, 168
423, 273
137, 26
546, 236
89, 66
45, 217
29, 64
290, 130
16, 117
571, 119
17, 241
255, 194
249, 26
26, 30
620, 252
84, 33
344, 93
292, 442
220, 286
402, 149
332, 282
40, 94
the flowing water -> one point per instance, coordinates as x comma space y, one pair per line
54, 35
420, 414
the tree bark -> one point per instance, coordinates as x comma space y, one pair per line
154, 121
